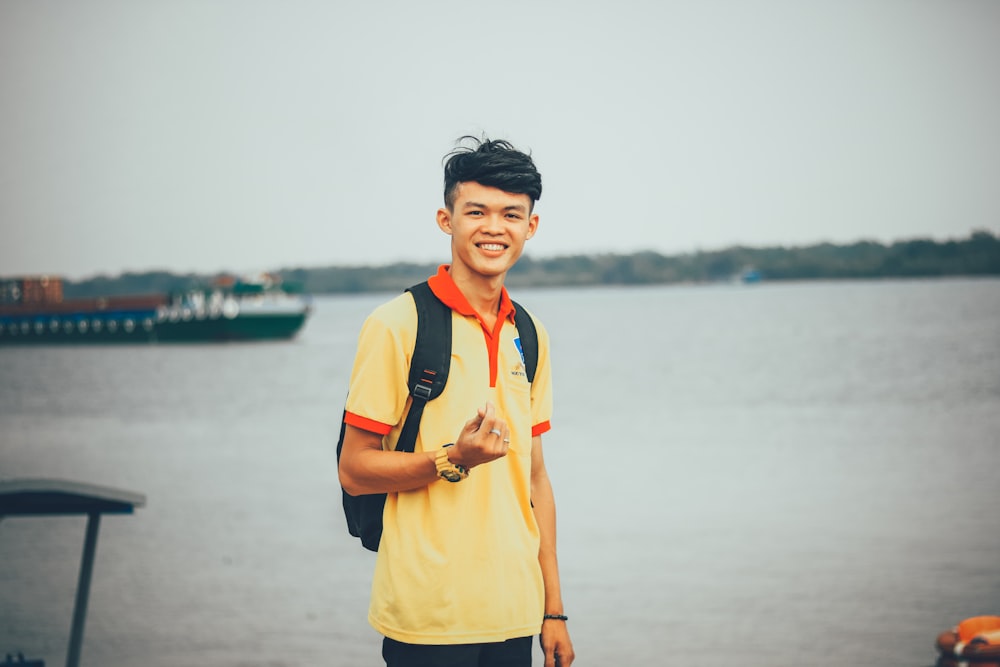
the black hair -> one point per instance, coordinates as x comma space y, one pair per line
493, 163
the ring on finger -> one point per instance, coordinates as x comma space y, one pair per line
496, 431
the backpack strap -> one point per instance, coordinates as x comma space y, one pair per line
430, 362
529, 339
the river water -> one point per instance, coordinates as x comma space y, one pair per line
779, 474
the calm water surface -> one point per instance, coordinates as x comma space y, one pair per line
800, 474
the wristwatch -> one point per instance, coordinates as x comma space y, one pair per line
448, 470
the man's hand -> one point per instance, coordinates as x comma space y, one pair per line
556, 645
484, 438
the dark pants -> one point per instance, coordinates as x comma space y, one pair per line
511, 653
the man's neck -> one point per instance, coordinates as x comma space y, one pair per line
483, 294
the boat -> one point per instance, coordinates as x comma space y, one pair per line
33, 311
974, 641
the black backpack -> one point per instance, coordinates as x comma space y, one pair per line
428, 376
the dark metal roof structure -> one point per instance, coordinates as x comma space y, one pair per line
48, 497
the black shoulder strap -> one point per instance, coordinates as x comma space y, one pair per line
430, 362
529, 339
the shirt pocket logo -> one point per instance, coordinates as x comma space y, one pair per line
519, 369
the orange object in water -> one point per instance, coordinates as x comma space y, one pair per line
974, 640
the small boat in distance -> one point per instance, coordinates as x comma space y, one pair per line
33, 311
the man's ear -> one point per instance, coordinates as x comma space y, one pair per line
444, 220
532, 225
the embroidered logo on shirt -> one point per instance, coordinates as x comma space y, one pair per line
519, 370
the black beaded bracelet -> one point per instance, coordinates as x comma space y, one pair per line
555, 617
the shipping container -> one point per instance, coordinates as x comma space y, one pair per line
41, 289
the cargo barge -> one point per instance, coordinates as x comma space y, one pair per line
33, 311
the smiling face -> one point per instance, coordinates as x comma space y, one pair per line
488, 228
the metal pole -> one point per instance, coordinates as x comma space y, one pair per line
83, 590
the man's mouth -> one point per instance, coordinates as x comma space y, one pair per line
495, 247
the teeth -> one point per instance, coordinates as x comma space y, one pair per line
491, 246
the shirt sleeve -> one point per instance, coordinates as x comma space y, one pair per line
377, 392
541, 387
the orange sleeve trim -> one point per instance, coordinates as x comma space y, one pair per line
367, 424
538, 429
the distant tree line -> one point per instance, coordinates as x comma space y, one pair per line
978, 255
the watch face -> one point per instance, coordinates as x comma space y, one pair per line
451, 475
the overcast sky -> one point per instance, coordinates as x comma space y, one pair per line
244, 135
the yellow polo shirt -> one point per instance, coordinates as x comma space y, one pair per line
458, 562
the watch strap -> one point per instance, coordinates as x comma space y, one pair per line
446, 469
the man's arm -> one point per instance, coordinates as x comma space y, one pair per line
555, 637
366, 468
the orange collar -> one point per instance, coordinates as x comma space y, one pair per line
444, 288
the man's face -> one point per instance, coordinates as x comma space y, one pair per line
488, 228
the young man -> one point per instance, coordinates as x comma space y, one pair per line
466, 572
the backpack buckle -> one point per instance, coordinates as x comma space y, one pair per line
422, 391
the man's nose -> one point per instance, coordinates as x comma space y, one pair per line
494, 223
